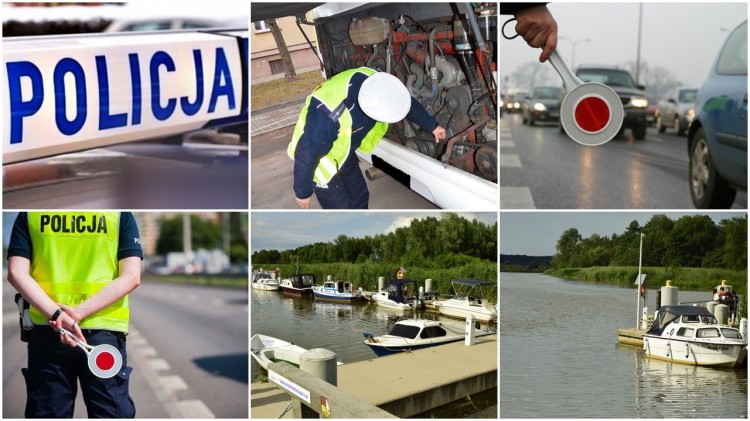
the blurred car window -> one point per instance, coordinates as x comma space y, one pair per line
733, 59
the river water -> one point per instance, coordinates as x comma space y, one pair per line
315, 324
559, 357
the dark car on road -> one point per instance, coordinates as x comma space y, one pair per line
717, 138
541, 105
633, 97
676, 110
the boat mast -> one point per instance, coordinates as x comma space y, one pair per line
638, 289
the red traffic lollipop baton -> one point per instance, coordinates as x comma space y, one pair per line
104, 360
591, 113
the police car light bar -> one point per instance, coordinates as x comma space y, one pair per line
71, 93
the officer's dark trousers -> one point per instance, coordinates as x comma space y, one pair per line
346, 190
53, 372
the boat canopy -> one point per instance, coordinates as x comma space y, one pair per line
472, 282
668, 314
398, 289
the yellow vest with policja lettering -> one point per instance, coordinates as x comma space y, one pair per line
332, 93
73, 256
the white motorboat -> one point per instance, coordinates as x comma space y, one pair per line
412, 334
691, 335
267, 349
264, 281
397, 295
465, 303
336, 291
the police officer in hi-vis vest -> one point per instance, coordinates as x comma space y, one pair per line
76, 270
348, 112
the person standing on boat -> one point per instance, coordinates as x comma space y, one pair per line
347, 113
75, 269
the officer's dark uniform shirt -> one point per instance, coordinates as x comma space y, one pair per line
128, 244
321, 131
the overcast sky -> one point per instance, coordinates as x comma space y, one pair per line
288, 230
536, 233
683, 37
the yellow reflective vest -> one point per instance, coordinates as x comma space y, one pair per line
73, 256
332, 94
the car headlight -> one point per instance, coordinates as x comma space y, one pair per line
690, 114
501, 103
539, 107
639, 102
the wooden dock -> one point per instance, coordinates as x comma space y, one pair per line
630, 336
404, 384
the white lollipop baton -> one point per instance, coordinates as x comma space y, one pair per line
591, 113
104, 360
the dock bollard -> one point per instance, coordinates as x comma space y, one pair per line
381, 283
721, 312
321, 363
469, 335
711, 306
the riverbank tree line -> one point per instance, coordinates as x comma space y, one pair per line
441, 249
692, 241
425, 242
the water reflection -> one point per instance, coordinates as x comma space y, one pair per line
680, 391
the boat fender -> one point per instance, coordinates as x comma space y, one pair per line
669, 349
687, 350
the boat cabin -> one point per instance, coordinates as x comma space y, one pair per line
414, 331
262, 275
339, 286
302, 280
401, 290
694, 322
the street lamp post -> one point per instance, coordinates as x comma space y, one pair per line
573, 51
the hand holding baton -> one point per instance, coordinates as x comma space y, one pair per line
104, 360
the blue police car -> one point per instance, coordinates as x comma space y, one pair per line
717, 139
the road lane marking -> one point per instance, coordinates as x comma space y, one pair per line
158, 364
196, 409
164, 386
510, 161
172, 383
507, 144
516, 198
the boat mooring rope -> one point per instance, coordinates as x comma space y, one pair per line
288, 407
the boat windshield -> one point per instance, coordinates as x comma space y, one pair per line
404, 331
731, 333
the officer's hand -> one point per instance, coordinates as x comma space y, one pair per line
73, 312
304, 203
438, 133
537, 26
71, 325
